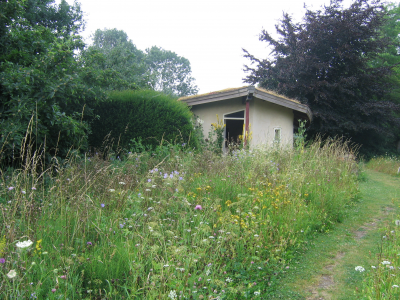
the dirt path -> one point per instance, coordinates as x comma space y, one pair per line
326, 270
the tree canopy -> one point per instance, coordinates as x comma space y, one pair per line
159, 69
325, 62
44, 90
116, 54
169, 72
50, 82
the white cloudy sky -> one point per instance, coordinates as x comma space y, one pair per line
210, 33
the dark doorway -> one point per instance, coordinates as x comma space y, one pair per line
234, 129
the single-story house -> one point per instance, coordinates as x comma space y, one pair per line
268, 118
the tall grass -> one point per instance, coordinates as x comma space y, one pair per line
169, 225
381, 279
388, 164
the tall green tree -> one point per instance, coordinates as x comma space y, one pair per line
158, 69
391, 55
44, 90
169, 72
117, 55
325, 62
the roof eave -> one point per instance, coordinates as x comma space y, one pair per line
244, 91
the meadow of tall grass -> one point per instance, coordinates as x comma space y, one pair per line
170, 224
389, 164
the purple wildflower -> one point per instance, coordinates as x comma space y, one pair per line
165, 175
102, 205
180, 178
89, 243
198, 207
149, 180
2, 260
10, 188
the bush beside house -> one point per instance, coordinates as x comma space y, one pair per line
141, 115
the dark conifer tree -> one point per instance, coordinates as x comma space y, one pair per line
325, 62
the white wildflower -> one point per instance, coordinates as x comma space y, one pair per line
385, 262
395, 286
11, 274
397, 222
359, 269
111, 190
228, 279
121, 182
172, 294
24, 244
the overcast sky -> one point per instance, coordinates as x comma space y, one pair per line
209, 33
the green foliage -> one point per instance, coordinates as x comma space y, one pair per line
389, 164
216, 136
197, 223
379, 281
119, 58
300, 137
148, 117
158, 69
327, 65
45, 94
169, 72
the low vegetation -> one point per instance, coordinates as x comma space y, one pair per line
141, 116
168, 223
388, 164
380, 280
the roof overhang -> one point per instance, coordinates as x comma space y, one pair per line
250, 92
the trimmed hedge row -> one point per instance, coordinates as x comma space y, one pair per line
144, 115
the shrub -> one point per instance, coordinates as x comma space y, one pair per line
145, 115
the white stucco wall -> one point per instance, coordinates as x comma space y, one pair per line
264, 118
208, 111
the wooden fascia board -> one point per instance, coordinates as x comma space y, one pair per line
217, 97
283, 102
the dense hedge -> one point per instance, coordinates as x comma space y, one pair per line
144, 115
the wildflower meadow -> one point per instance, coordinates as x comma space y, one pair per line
169, 223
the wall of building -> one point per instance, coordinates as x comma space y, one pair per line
208, 111
264, 118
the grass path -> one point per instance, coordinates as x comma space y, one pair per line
326, 270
